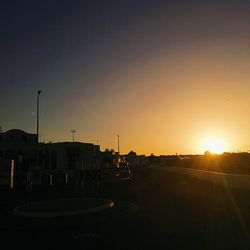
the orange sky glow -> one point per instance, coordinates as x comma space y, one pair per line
163, 75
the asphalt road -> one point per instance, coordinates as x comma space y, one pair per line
155, 209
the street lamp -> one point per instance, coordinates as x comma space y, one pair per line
37, 115
29, 175
37, 125
118, 149
37, 129
118, 143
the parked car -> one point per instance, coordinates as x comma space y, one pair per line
124, 170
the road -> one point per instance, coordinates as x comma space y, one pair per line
155, 209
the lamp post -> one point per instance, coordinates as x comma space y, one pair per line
37, 114
37, 125
118, 149
118, 143
37, 128
29, 174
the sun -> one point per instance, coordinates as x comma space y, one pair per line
213, 144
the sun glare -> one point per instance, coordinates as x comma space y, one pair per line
213, 144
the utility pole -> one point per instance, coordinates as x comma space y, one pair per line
118, 140
73, 131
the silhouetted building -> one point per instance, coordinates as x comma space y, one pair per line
66, 161
19, 146
57, 162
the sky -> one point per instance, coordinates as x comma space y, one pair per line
164, 75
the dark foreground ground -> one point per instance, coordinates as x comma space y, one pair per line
175, 211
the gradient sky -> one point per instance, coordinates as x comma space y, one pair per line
162, 74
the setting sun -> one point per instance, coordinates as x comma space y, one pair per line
213, 144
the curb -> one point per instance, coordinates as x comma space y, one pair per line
18, 210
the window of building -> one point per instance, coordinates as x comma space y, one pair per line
46, 160
9, 154
54, 159
41, 158
71, 162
